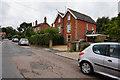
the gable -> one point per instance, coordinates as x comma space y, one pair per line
57, 18
58, 15
70, 13
79, 16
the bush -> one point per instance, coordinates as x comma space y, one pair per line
43, 39
71, 50
98, 40
119, 41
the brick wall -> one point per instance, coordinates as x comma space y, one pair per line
78, 27
41, 27
57, 24
72, 23
44, 27
82, 29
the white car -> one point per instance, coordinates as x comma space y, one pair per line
23, 41
102, 58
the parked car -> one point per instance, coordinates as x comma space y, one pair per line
82, 40
15, 40
23, 41
102, 58
6, 39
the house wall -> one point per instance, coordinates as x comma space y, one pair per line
57, 24
78, 27
41, 28
72, 23
82, 29
44, 27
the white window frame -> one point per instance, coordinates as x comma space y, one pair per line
59, 20
87, 26
68, 17
59, 29
68, 28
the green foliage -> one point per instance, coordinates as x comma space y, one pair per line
100, 22
52, 32
40, 32
24, 26
9, 35
111, 27
98, 40
29, 32
71, 50
9, 31
43, 39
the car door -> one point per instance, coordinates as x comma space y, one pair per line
111, 62
99, 56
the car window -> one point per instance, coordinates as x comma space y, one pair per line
100, 49
25, 39
114, 51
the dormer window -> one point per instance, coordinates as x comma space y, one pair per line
59, 20
68, 17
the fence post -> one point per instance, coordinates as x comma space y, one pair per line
77, 46
50, 44
69, 46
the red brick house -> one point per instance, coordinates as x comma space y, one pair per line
41, 26
74, 25
58, 23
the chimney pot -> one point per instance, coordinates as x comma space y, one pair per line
45, 20
36, 23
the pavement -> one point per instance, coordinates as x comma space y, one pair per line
62, 51
70, 55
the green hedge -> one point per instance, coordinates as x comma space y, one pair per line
43, 39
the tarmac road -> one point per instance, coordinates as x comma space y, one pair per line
48, 64
10, 50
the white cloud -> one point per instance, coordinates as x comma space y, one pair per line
14, 12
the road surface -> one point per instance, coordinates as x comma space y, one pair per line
48, 64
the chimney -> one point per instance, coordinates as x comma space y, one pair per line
45, 20
52, 25
35, 22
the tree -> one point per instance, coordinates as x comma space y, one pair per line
29, 32
52, 32
100, 22
3, 29
24, 26
113, 28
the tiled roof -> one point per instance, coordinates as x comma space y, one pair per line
61, 13
41, 24
81, 16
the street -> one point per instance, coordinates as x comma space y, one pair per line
27, 62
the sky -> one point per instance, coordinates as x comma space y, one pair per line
15, 12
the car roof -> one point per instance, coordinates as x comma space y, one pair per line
107, 43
